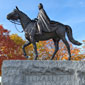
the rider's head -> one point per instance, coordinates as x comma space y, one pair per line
40, 6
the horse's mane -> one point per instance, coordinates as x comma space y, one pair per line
25, 15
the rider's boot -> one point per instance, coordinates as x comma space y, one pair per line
39, 30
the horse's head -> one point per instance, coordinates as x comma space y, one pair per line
14, 15
18, 17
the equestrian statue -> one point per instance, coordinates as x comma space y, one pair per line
42, 28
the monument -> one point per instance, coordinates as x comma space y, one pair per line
42, 72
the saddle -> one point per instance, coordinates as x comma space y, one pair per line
53, 26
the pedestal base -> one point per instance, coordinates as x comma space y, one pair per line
26, 72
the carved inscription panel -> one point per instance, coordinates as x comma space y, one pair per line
49, 79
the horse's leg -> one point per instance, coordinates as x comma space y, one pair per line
23, 48
56, 43
32, 34
34, 45
35, 49
68, 47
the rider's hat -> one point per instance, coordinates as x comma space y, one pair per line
40, 6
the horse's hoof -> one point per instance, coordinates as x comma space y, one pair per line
24, 54
69, 59
27, 57
35, 59
51, 59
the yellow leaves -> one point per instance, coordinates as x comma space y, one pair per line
75, 51
18, 40
64, 58
83, 40
2, 48
79, 57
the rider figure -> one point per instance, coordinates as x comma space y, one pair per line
43, 20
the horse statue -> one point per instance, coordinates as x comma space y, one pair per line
56, 35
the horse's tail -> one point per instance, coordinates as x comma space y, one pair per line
69, 34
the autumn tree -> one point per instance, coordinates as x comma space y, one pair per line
8, 48
81, 55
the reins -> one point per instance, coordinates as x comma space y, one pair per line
15, 25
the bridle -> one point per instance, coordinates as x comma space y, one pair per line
16, 22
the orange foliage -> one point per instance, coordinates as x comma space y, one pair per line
8, 48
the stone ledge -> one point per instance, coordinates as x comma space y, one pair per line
31, 72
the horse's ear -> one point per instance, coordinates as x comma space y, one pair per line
17, 8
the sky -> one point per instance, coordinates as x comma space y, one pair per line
68, 12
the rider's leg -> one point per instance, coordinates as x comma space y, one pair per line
32, 33
39, 27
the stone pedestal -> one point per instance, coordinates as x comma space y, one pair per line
26, 72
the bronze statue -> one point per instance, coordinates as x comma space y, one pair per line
50, 30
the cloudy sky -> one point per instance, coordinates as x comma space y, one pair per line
70, 12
